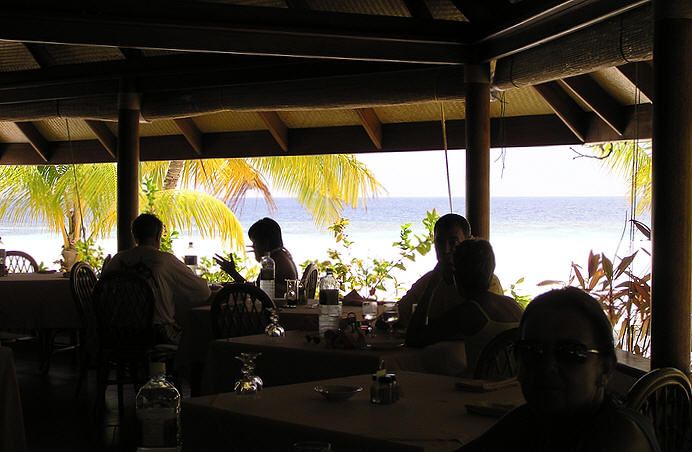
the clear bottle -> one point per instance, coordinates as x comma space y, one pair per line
330, 305
158, 411
267, 274
191, 257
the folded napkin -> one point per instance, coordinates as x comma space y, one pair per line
490, 408
475, 385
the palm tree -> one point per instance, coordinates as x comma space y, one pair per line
67, 196
621, 157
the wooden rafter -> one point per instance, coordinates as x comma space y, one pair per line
191, 133
40, 54
276, 127
36, 140
641, 75
598, 99
518, 131
204, 27
371, 124
564, 107
544, 24
104, 135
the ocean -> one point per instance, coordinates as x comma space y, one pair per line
535, 238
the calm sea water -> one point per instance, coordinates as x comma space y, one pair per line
533, 238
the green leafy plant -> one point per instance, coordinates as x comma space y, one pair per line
245, 265
375, 277
149, 188
523, 300
624, 296
90, 253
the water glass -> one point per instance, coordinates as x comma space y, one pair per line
390, 315
292, 286
369, 310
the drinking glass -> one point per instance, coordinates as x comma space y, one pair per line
292, 291
390, 315
369, 310
249, 383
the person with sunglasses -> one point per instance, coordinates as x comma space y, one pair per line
265, 235
566, 354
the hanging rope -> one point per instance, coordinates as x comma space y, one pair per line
444, 143
76, 184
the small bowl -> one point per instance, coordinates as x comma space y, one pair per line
338, 393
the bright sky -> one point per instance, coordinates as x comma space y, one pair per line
544, 171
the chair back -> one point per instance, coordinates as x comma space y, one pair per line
20, 262
240, 310
665, 397
309, 280
82, 282
497, 359
123, 304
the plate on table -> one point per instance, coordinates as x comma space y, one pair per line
337, 393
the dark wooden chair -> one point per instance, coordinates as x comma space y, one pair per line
665, 397
82, 282
123, 304
240, 310
20, 262
497, 359
309, 281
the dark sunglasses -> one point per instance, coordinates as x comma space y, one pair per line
532, 352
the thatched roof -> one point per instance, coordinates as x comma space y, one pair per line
275, 77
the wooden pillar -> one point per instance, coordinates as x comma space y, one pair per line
128, 165
477, 81
671, 286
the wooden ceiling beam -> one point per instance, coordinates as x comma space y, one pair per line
204, 27
191, 133
641, 74
276, 127
598, 99
40, 54
36, 140
564, 107
418, 9
565, 17
371, 124
104, 135
520, 131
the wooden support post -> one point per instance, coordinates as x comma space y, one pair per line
671, 285
128, 165
477, 81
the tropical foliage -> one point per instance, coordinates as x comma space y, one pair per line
631, 160
375, 277
79, 201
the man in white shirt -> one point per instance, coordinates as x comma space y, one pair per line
177, 288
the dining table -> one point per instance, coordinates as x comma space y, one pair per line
12, 438
197, 334
37, 300
432, 415
296, 357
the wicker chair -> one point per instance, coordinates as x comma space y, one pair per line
20, 262
309, 280
82, 282
497, 359
665, 397
123, 305
240, 310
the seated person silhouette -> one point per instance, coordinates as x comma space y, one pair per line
479, 317
566, 355
265, 236
436, 287
176, 287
